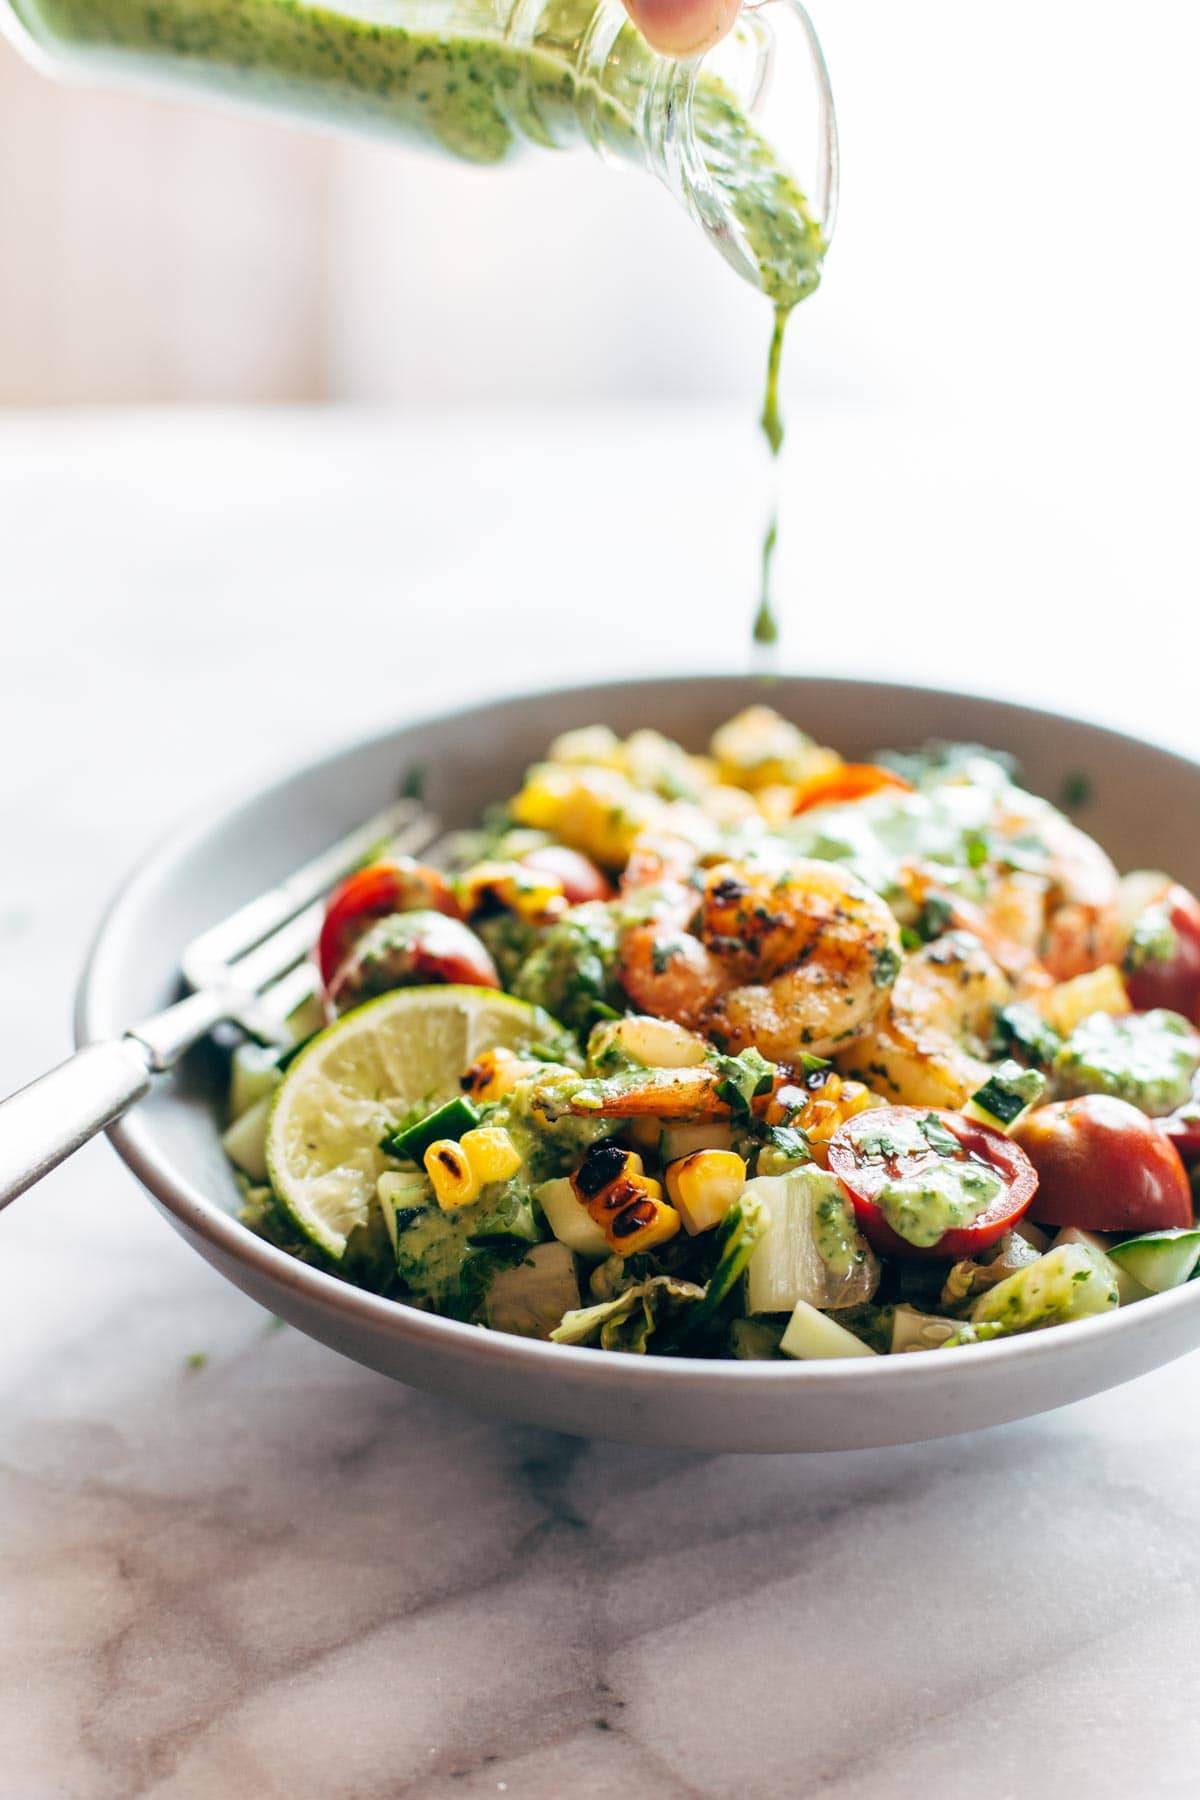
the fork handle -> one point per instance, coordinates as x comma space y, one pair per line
44, 1123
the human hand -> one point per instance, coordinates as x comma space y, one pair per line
683, 27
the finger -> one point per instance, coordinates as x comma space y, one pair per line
683, 27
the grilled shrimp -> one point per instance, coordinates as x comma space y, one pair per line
792, 959
1081, 885
929, 1049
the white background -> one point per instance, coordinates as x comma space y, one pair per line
1017, 244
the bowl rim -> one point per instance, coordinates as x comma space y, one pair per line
224, 1232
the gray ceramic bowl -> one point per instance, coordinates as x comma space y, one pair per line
171, 1142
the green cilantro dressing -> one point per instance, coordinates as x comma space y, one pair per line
941, 1197
1148, 1059
835, 1233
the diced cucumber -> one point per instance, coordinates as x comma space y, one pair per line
253, 1074
1159, 1259
307, 1019
570, 1220
245, 1143
1006, 1096
811, 1337
1129, 1288
677, 1141
400, 1193
1069, 1283
449, 1121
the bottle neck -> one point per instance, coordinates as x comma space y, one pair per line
723, 132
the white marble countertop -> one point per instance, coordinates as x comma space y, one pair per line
235, 1564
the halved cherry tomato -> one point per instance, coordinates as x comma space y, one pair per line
581, 879
859, 1157
410, 949
373, 893
1172, 981
850, 781
1104, 1166
1183, 1126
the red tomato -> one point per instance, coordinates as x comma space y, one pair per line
1173, 981
410, 949
850, 781
1183, 1126
373, 893
1103, 1165
581, 879
863, 1169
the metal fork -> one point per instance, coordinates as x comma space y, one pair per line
253, 970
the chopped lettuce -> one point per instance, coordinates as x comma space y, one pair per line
629, 1321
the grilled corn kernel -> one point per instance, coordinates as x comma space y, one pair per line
490, 1153
702, 1187
455, 1182
642, 1225
496, 1073
534, 897
604, 1163
819, 1113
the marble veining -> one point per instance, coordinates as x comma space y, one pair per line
233, 1564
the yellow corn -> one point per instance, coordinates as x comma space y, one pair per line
455, 1182
627, 1203
537, 898
819, 1114
497, 1073
759, 749
642, 1225
590, 809
490, 1153
702, 1187
1068, 1003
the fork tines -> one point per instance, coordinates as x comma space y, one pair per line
271, 935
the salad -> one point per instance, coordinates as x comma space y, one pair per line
753, 1053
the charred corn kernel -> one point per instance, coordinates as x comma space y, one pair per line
496, 1073
641, 1225
590, 809
491, 1153
623, 1200
1069, 1003
535, 897
703, 1187
455, 1182
604, 1164
819, 1112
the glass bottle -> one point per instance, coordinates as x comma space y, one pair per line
727, 133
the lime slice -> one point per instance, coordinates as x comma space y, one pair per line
405, 1049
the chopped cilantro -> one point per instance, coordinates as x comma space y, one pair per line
886, 966
742, 1078
938, 1137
